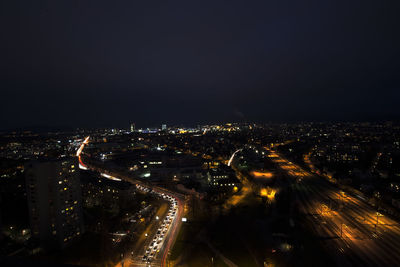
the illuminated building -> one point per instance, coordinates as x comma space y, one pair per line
221, 177
97, 191
54, 202
163, 127
132, 127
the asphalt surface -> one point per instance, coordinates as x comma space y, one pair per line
349, 228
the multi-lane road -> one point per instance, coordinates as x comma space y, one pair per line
348, 227
162, 233
352, 231
160, 241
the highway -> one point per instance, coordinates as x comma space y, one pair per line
157, 251
350, 229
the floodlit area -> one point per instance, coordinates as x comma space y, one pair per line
259, 174
268, 193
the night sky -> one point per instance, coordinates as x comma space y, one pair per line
103, 63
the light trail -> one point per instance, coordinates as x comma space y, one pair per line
175, 223
85, 142
173, 229
110, 177
79, 152
233, 155
174, 233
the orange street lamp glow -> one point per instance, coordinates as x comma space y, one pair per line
262, 174
268, 192
271, 194
288, 167
263, 192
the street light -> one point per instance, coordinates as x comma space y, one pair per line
122, 259
377, 219
341, 228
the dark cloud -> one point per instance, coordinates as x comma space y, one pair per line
98, 63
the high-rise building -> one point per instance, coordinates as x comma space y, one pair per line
54, 201
163, 127
132, 127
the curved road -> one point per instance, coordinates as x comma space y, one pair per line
176, 223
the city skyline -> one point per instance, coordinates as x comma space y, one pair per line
240, 194
199, 134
